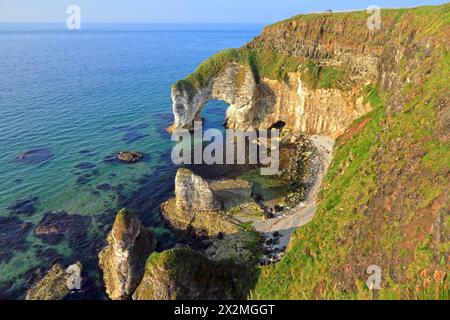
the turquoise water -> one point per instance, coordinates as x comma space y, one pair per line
68, 101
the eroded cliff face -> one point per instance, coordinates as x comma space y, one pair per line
386, 190
261, 106
193, 193
187, 105
258, 102
183, 274
386, 58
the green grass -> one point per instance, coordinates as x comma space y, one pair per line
422, 14
319, 77
263, 64
437, 157
307, 270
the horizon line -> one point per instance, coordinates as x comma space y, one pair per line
130, 22
199, 23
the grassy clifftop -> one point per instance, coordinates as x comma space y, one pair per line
298, 43
264, 64
385, 199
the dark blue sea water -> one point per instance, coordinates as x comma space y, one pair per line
68, 101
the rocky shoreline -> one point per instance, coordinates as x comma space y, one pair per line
230, 221
316, 78
221, 221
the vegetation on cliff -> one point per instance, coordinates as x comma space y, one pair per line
384, 200
263, 64
386, 187
183, 274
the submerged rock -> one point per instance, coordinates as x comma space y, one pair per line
86, 166
55, 227
133, 136
104, 187
24, 207
35, 156
127, 128
13, 237
129, 156
123, 260
57, 284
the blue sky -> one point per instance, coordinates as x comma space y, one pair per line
181, 11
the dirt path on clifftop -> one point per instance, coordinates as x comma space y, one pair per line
286, 223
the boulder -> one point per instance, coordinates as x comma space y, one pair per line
193, 192
129, 156
201, 223
183, 274
57, 284
198, 205
123, 260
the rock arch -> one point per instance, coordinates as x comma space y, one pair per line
261, 104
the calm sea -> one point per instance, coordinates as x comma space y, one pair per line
70, 100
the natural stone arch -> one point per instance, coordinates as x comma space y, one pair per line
235, 85
260, 103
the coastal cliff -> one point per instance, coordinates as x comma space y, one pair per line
303, 106
380, 198
384, 200
383, 95
308, 74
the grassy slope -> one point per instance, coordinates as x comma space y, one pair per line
379, 198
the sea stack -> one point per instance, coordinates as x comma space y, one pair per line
123, 260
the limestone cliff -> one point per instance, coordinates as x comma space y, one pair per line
123, 260
302, 108
386, 191
286, 75
384, 95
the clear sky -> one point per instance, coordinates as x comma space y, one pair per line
182, 11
